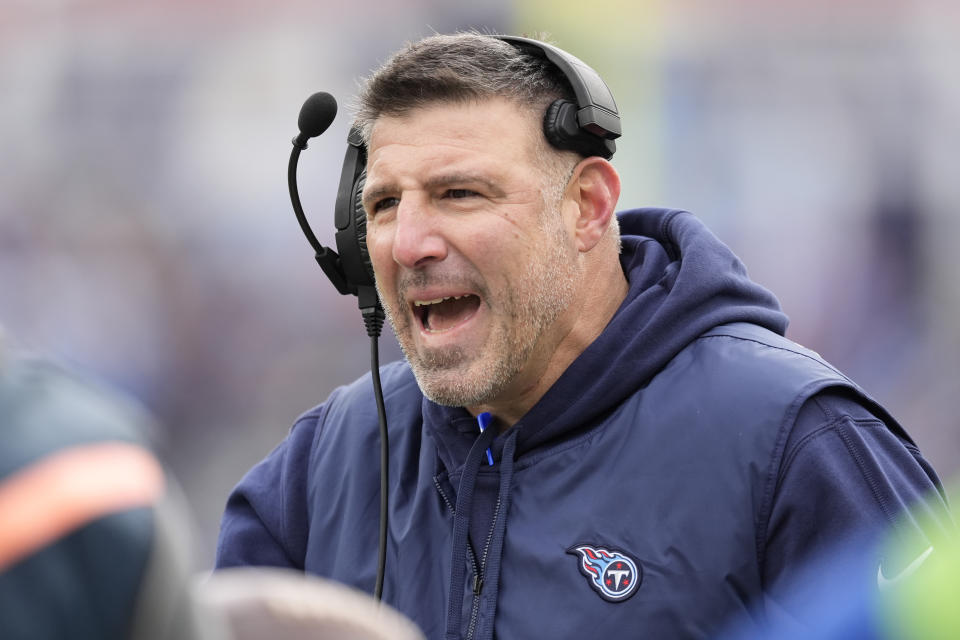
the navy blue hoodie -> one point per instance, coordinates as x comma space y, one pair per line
670, 478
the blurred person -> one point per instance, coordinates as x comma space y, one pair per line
255, 603
93, 538
660, 456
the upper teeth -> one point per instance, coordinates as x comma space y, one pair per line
423, 303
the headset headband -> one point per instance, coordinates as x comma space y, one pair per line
596, 108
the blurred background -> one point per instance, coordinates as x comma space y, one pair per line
146, 236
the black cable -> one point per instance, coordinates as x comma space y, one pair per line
384, 465
315, 116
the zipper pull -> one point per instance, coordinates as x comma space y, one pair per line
477, 584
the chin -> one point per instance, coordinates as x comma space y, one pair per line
454, 387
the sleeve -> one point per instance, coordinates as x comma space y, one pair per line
846, 479
265, 522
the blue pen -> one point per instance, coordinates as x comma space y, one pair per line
484, 421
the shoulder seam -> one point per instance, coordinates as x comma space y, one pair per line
820, 361
864, 472
776, 460
831, 424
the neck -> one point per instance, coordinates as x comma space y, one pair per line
586, 319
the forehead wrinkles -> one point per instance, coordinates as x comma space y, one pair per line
463, 125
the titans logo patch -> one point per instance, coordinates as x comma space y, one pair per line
611, 573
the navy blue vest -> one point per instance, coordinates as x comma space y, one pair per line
679, 478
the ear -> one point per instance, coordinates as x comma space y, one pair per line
595, 187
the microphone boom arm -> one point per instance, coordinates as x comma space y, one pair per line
326, 257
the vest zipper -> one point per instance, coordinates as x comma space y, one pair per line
478, 573
477, 576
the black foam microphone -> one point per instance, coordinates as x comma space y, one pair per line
316, 114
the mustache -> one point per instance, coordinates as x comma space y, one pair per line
438, 277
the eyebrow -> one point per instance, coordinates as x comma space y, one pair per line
436, 182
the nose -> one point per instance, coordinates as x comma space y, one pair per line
418, 237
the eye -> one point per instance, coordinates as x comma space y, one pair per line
384, 203
460, 193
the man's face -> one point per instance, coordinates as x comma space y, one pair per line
473, 265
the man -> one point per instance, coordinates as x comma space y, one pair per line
662, 457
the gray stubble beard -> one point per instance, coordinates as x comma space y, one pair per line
547, 290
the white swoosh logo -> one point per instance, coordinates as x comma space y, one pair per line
884, 582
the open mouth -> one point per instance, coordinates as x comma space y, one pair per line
443, 314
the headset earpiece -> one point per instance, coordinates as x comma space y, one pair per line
360, 224
562, 131
351, 222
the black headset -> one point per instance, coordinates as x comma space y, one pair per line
587, 126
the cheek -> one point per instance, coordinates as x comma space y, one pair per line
381, 252
384, 270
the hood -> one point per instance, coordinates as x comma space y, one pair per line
682, 282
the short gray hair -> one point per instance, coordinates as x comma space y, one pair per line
458, 68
